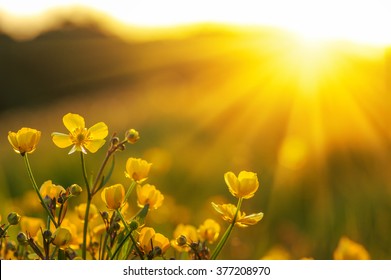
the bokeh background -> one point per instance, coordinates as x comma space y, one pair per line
310, 117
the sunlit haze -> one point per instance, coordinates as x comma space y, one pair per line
358, 21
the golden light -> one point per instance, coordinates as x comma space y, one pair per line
360, 21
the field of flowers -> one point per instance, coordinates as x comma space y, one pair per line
219, 145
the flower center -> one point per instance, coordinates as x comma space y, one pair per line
80, 136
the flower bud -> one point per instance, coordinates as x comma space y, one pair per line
105, 215
22, 238
61, 199
13, 218
47, 234
133, 225
116, 226
114, 141
75, 190
132, 136
157, 251
181, 240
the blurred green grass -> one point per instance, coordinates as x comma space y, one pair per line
174, 92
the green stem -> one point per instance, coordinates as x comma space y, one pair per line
5, 231
121, 244
95, 187
83, 165
30, 173
85, 228
130, 190
91, 191
131, 236
224, 238
123, 220
61, 254
104, 246
48, 223
87, 213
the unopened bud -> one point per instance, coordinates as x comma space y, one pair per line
157, 251
114, 141
22, 238
133, 225
47, 234
132, 136
181, 240
48, 201
75, 189
61, 199
116, 226
13, 218
105, 215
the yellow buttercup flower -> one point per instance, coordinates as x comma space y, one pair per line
148, 194
228, 212
137, 169
82, 139
149, 239
25, 140
48, 189
81, 211
350, 250
209, 231
243, 186
62, 237
31, 225
114, 196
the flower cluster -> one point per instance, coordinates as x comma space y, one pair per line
114, 230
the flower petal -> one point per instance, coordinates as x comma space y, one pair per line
250, 220
98, 131
73, 121
94, 145
61, 140
232, 182
13, 140
248, 184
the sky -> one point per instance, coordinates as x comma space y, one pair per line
362, 21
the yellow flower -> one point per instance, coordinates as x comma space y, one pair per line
188, 231
79, 136
209, 231
25, 140
114, 196
350, 250
277, 252
137, 169
148, 194
31, 225
62, 237
48, 189
76, 239
243, 186
81, 211
228, 212
148, 238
